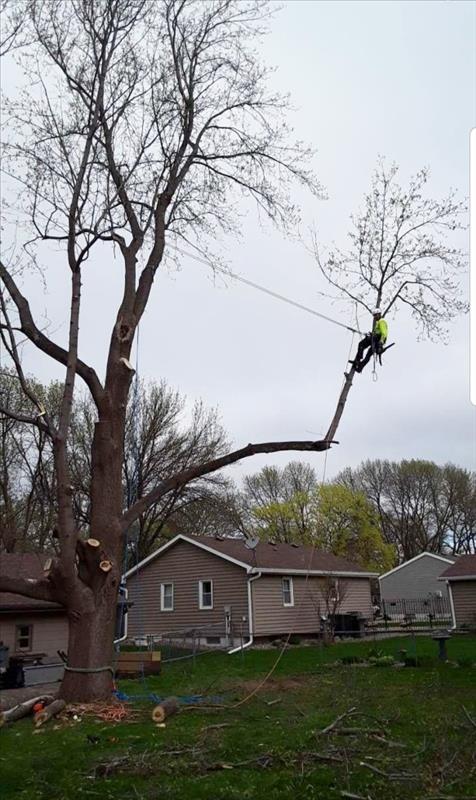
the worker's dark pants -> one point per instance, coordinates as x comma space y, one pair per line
372, 342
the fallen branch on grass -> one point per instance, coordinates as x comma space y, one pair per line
355, 731
352, 796
324, 757
336, 721
216, 727
469, 717
391, 776
23, 709
389, 742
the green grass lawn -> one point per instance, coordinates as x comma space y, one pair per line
416, 742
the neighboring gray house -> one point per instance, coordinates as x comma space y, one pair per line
220, 586
416, 579
461, 581
31, 629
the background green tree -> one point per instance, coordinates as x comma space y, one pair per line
346, 524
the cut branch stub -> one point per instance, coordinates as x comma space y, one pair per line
93, 542
165, 709
127, 364
105, 565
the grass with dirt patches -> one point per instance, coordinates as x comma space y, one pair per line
412, 734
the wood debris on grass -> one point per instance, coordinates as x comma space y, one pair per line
336, 728
106, 712
48, 712
24, 709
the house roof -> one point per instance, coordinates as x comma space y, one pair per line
268, 557
22, 565
444, 559
463, 569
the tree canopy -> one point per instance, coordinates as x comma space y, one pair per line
421, 505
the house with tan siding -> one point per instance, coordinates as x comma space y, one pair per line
461, 581
31, 629
228, 590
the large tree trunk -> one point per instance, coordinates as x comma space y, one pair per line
92, 614
91, 635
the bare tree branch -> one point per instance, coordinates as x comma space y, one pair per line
215, 464
42, 342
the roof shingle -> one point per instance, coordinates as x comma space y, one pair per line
280, 556
465, 566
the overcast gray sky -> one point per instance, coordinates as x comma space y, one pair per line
366, 78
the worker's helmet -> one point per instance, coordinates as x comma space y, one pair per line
377, 311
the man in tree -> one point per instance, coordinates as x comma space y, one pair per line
373, 342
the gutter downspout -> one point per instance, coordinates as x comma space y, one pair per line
239, 649
124, 598
452, 606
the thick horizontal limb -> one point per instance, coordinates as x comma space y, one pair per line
28, 587
5, 412
197, 471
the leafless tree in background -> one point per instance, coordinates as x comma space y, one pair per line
332, 593
161, 439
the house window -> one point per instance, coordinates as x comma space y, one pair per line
334, 590
166, 597
205, 594
24, 637
288, 592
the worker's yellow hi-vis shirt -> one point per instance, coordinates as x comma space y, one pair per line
381, 328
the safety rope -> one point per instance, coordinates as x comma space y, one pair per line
292, 630
88, 669
263, 289
135, 453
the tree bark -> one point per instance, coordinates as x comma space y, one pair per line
92, 616
90, 648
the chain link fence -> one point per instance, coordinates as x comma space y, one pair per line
193, 641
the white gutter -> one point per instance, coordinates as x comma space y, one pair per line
240, 648
122, 638
319, 573
452, 605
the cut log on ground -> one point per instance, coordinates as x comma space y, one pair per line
50, 711
23, 709
165, 709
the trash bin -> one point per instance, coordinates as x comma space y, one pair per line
14, 676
